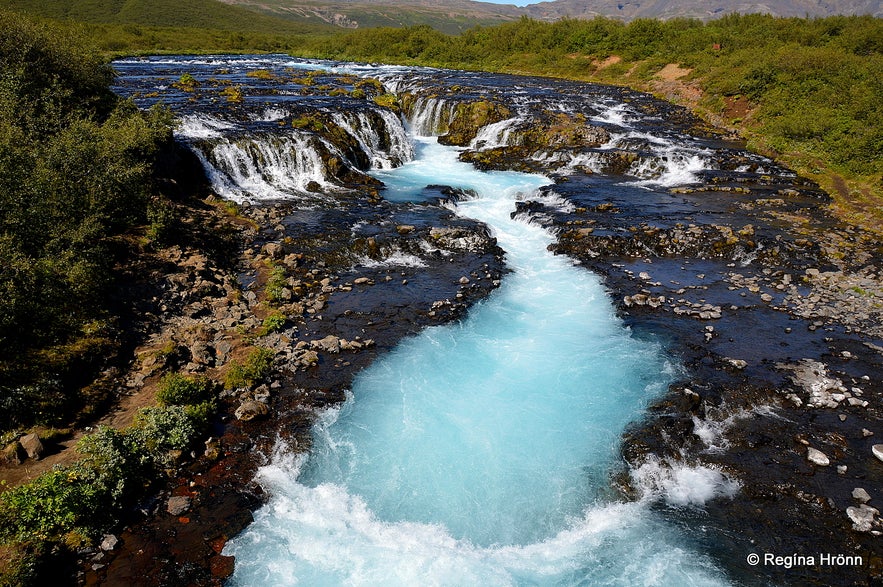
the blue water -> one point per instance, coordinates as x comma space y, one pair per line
480, 452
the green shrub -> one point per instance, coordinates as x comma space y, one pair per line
277, 280
163, 429
176, 389
255, 367
163, 221
186, 83
273, 322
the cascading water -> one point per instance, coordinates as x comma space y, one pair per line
479, 453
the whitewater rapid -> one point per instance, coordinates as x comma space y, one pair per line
481, 452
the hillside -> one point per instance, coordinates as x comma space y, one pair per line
448, 16
453, 16
701, 9
203, 14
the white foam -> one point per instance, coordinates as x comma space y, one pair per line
271, 115
396, 259
203, 126
494, 135
682, 485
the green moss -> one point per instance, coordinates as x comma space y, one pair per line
264, 74
386, 101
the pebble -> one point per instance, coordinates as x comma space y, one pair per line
109, 542
817, 457
862, 517
860, 494
178, 505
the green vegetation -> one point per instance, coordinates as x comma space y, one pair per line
256, 366
277, 278
181, 390
70, 506
76, 177
273, 322
195, 14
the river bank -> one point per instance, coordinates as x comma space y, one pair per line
771, 307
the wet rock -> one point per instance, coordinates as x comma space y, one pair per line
178, 505
32, 445
860, 494
862, 517
329, 344
108, 542
212, 449
222, 566
817, 457
251, 409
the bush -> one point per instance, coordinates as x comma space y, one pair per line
180, 390
163, 429
256, 366
76, 173
273, 322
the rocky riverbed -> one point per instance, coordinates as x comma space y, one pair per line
772, 308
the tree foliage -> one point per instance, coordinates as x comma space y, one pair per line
76, 169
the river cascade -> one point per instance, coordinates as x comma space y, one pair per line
479, 452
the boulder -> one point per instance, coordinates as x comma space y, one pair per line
249, 410
329, 344
32, 446
862, 517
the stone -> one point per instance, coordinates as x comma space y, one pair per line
737, 363
362, 281
329, 344
273, 250
817, 457
178, 504
249, 410
212, 449
877, 449
109, 542
860, 494
221, 566
222, 351
862, 517
13, 454
464, 280
32, 446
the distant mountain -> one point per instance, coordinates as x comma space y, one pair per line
701, 9
449, 16
452, 16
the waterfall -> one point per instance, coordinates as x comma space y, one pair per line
381, 137
430, 116
494, 135
267, 167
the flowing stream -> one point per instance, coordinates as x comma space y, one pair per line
480, 453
